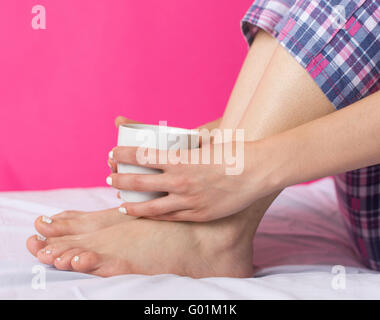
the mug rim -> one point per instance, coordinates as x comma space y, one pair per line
166, 129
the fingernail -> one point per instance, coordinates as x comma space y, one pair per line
110, 155
123, 210
76, 259
109, 181
58, 259
110, 165
46, 219
41, 238
48, 251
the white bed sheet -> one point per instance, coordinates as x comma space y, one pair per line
298, 242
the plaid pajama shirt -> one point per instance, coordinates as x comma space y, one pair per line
338, 43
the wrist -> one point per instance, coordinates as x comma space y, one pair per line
267, 165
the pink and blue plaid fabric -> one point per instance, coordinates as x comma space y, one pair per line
338, 44
359, 200
337, 41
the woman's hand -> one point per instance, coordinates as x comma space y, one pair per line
119, 121
196, 192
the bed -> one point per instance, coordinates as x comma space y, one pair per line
301, 247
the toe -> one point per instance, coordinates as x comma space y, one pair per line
86, 262
51, 252
53, 227
63, 262
68, 214
36, 243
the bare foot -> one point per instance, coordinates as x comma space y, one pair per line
219, 248
78, 222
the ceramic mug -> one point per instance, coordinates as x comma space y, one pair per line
156, 137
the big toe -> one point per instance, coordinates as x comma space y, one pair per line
53, 227
68, 214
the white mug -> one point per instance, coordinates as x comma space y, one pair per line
156, 137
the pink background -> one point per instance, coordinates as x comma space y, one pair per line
61, 88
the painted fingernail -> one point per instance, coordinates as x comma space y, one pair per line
110, 155
123, 210
48, 251
76, 259
109, 181
58, 259
110, 165
46, 219
41, 238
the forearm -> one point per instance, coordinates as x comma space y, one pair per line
345, 140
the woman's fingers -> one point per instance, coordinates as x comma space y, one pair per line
119, 121
156, 207
112, 165
183, 215
140, 156
123, 120
142, 182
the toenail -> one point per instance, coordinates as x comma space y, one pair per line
41, 238
109, 181
58, 259
76, 259
48, 252
46, 219
123, 210
110, 155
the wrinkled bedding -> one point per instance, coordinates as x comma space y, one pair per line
300, 239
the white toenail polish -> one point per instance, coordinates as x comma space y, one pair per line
48, 252
76, 259
46, 219
41, 238
110, 155
123, 210
109, 181
58, 259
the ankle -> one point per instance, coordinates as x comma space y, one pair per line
225, 234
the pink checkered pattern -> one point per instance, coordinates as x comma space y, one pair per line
338, 44
342, 55
359, 200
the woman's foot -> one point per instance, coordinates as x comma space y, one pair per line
78, 222
220, 248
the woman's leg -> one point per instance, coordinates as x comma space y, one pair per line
249, 78
285, 97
